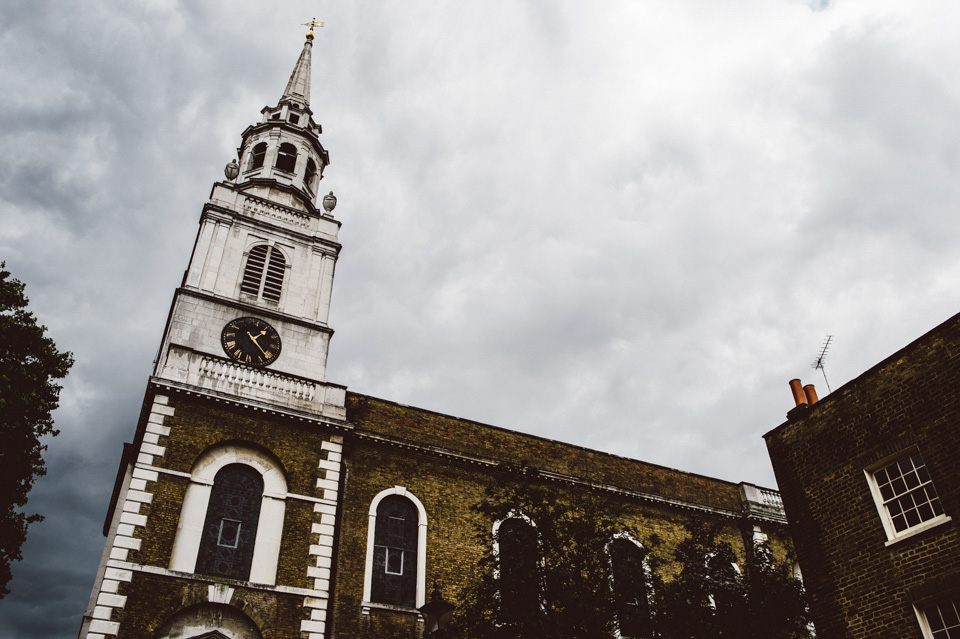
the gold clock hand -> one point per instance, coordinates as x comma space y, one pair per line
254, 340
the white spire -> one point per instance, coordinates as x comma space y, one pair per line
298, 88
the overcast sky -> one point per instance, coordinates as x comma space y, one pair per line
624, 225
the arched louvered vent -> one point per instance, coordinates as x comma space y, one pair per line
263, 275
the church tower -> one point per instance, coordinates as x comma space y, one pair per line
222, 519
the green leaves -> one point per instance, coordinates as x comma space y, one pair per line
712, 598
29, 362
701, 589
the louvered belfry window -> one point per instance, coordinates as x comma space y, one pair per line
230, 527
263, 275
395, 552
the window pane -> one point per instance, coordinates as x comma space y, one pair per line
898, 486
229, 533
949, 612
912, 480
394, 561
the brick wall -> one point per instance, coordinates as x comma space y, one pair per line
859, 585
448, 463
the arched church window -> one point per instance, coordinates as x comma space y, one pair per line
256, 157
263, 275
518, 565
230, 527
311, 174
394, 574
629, 576
287, 157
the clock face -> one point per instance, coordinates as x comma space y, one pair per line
250, 340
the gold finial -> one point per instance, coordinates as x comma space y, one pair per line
313, 23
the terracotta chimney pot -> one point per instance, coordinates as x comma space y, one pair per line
811, 394
798, 395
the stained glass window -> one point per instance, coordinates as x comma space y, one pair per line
394, 578
230, 527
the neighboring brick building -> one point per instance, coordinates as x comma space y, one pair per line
871, 484
258, 500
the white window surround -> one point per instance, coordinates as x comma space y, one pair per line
647, 574
421, 547
892, 535
197, 497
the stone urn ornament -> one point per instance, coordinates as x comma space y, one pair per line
232, 170
329, 202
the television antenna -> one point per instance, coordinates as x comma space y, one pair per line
818, 364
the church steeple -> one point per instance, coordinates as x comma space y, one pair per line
281, 158
265, 251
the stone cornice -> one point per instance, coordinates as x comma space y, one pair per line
254, 309
240, 402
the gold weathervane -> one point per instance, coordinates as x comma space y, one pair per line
313, 23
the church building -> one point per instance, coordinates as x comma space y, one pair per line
258, 500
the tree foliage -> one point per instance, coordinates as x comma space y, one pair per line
568, 551
715, 594
29, 361
700, 590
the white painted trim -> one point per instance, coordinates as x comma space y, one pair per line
922, 620
125, 519
421, 544
939, 520
266, 550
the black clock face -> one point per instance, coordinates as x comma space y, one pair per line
250, 340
